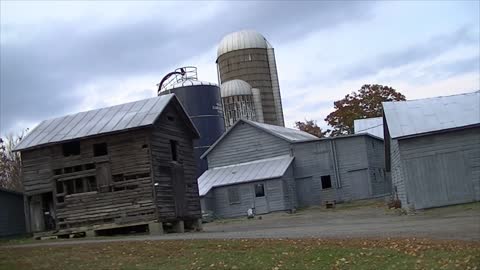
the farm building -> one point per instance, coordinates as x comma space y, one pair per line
372, 126
121, 166
12, 217
433, 150
272, 168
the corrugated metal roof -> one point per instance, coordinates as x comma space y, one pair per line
413, 117
288, 134
105, 120
372, 126
242, 40
243, 172
235, 88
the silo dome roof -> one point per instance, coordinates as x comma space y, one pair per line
235, 88
242, 40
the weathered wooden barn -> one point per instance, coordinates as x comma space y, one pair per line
274, 168
12, 217
433, 150
126, 165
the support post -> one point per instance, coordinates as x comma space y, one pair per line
155, 228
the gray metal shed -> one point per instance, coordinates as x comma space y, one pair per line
12, 217
433, 150
329, 169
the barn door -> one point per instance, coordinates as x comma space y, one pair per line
261, 204
359, 184
179, 190
103, 176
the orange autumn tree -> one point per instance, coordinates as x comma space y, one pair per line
310, 126
365, 103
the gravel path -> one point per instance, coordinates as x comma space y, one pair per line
461, 223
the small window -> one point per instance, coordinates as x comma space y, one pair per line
59, 187
259, 190
71, 148
233, 195
100, 149
79, 185
170, 118
326, 182
173, 149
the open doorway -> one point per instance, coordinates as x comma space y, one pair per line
42, 212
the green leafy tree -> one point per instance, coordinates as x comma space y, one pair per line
365, 103
310, 126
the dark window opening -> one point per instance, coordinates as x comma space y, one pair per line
91, 183
90, 166
68, 169
77, 168
59, 187
233, 195
170, 118
326, 182
130, 187
144, 146
100, 149
69, 187
71, 149
57, 171
118, 178
173, 149
60, 199
259, 190
74, 186
79, 185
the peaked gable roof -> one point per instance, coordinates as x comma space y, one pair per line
421, 116
262, 169
288, 134
106, 120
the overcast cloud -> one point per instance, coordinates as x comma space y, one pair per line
63, 57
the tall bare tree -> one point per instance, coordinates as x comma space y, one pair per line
10, 163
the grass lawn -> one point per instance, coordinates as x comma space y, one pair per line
249, 254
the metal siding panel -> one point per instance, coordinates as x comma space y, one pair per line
412, 117
245, 172
97, 121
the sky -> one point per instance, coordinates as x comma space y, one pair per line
58, 58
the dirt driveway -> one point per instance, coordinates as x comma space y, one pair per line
353, 220
364, 219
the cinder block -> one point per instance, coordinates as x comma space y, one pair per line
155, 228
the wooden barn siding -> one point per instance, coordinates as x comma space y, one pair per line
434, 153
313, 160
164, 131
381, 184
273, 191
37, 171
398, 180
12, 218
126, 156
246, 143
289, 192
352, 156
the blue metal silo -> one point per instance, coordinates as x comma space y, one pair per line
202, 102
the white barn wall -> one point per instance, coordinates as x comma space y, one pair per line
447, 164
246, 143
